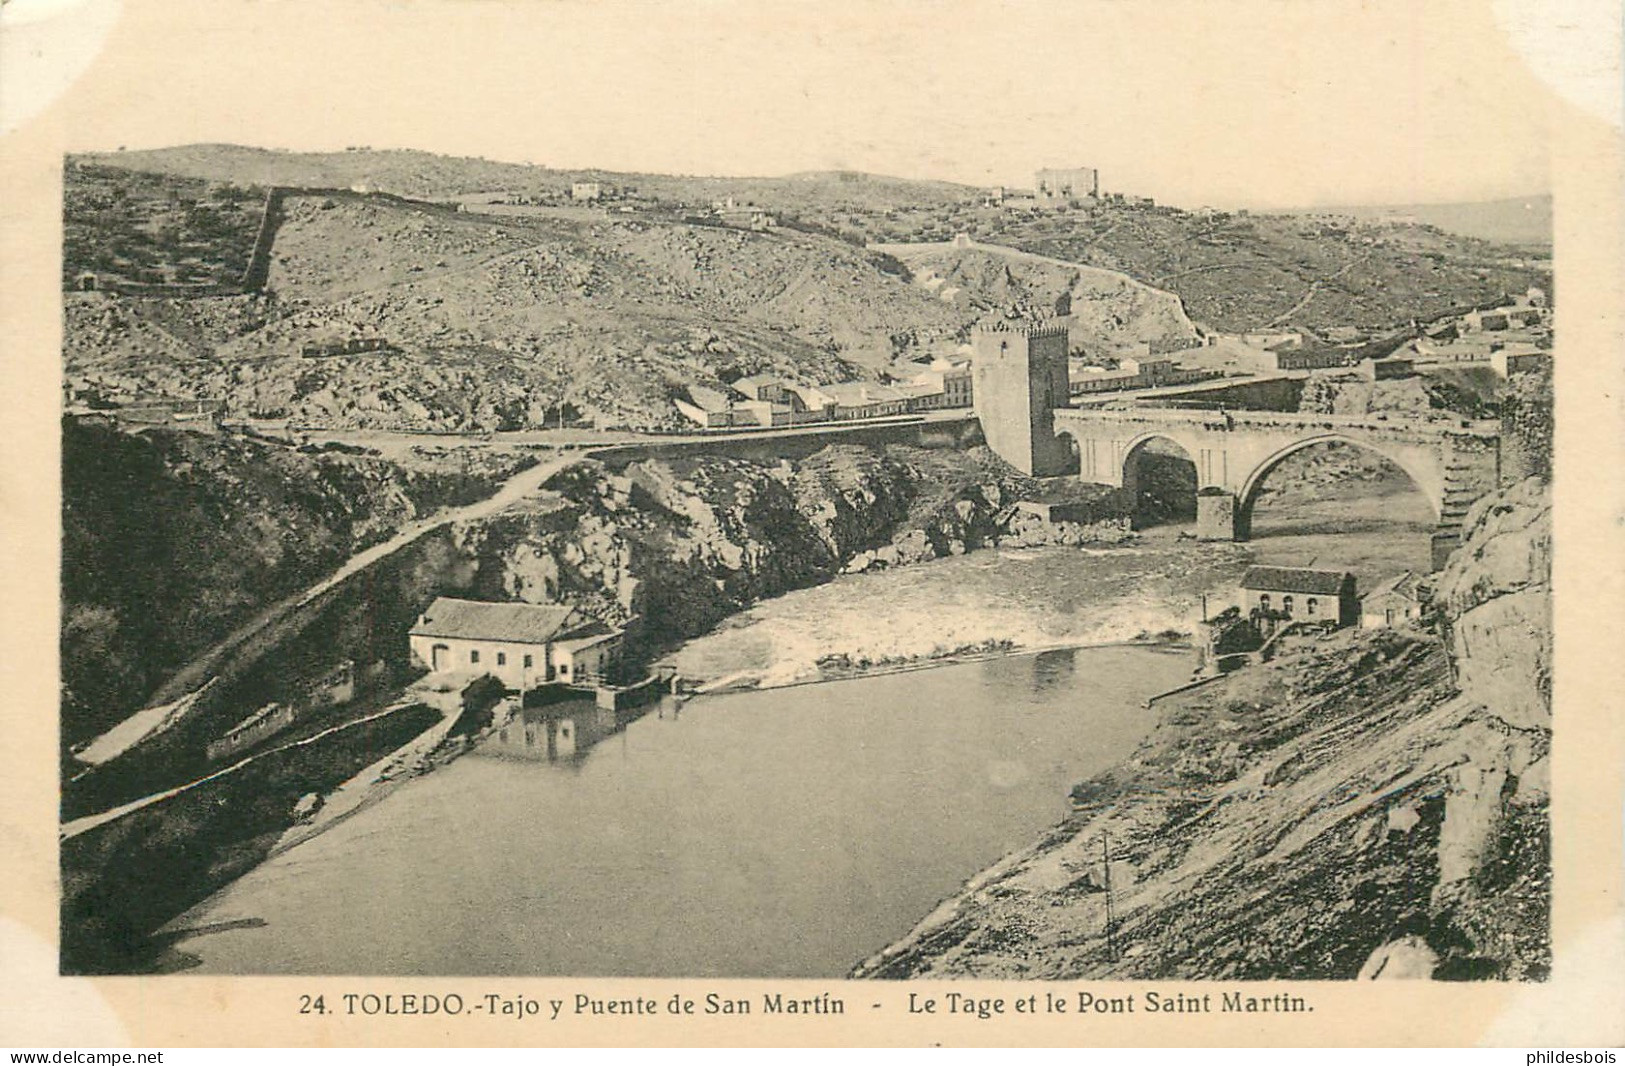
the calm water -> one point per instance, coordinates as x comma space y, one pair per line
784, 832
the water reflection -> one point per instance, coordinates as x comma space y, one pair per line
1051, 669
1034, 675
777, 833
563, 731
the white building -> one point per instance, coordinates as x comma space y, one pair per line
521, 644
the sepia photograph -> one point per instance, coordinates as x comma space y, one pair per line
942, 493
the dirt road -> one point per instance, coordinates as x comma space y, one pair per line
159, 713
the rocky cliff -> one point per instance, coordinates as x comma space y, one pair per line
1371, 804
171, 539
671, 547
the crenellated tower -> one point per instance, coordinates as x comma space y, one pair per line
1019, 368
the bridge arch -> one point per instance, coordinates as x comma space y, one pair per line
1430, 483
1072, 446
1136, 444
1161, 483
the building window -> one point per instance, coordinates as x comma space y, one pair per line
473, 656
1264, 600
1286, 604
1311, 605
528, 662
502, 658
564, 669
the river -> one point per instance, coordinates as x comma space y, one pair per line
772, 833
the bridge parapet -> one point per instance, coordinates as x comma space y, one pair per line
1451, 461
1232, 421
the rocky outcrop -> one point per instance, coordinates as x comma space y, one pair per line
1494, 602
1495, 599
671, 547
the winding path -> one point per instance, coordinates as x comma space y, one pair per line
161, 709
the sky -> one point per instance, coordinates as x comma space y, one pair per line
1266, 103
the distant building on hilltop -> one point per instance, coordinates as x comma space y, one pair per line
707, 407
1144, 372
1394, 602
942, 386
583, 191
744, 216
1519, 360
866, 399
1386, 369
1054, 187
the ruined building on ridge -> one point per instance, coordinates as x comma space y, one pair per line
1071, 185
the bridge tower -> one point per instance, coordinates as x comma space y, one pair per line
1019, 376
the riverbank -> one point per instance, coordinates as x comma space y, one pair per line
1367, 804
706, 844
1313, 781
828, 672
376, 782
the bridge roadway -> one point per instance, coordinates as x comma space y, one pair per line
1452, 462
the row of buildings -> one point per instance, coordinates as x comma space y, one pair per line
1147, 372
1506, 359
1273, 596
765, 401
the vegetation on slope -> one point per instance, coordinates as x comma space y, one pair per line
169, 540
1239, 272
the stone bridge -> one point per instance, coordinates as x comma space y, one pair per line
1452, 463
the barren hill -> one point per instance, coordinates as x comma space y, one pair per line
1111, 311
502, 317
1244, 272
1523, 221
492, 323
480, 321
424, 175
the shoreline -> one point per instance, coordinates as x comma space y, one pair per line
401, 768
412, 761
1153, 627
417, 759
737, 683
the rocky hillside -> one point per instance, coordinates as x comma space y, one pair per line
1112, 313
1243, 272
1370, 804
674, 546
171, 539
497, 323
1464, 393
156, 228
547, 310
1521, 221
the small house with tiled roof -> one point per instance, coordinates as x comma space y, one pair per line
521, 644
1392, 603
1284, 593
